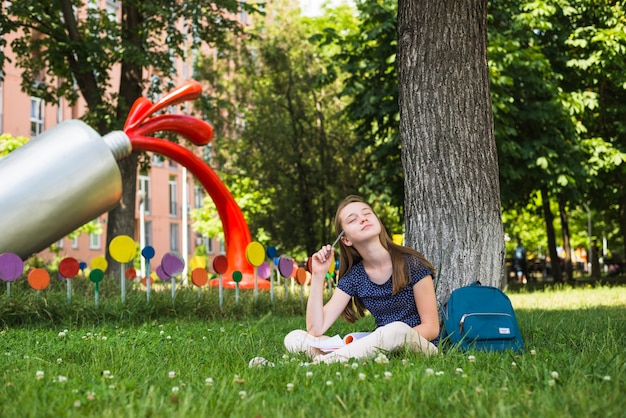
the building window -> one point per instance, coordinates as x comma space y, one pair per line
112, 7
95, 241
209, 245
243, 16
75, 242
174, 237
222, 247
157, 160
60, 243
198, 196
149, 233
36, 116
173, 197
144, 188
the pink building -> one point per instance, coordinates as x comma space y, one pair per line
166, 194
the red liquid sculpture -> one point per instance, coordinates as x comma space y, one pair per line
140, 124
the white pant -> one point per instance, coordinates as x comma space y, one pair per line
390, 337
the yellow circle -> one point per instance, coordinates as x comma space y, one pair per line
197, 262
99, 263
331, 268
255, 253
123, 248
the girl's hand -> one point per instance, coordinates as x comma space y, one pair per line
321, 261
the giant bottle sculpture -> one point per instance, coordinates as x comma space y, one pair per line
69, 175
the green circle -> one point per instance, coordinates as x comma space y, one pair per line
237, 276
96, 275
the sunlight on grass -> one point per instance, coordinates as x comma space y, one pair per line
567, 297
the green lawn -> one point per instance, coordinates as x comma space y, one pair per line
191, 359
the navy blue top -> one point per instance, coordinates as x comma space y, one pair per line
378, 299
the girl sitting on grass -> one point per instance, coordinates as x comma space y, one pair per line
393, 282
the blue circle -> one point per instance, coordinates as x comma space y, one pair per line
148, 252
271, 252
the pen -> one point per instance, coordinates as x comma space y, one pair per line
336, 241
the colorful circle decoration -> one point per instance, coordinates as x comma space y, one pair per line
199, 276
331, 268
255, 253
96, 275
123, 248
264, 271
172, 264
130, 273
148, 252
271, 252
153, 276
11, 267
38, 279
162, 274
197, 261
220, 264
237, 276
302, 276
285, 266
99, 263
69, 267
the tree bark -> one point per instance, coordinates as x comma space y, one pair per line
121, 220
449, 155
567, 247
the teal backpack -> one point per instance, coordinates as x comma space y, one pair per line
480, 318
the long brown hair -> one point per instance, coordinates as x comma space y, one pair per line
349, 256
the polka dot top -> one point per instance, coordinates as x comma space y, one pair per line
378, 300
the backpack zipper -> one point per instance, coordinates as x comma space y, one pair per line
462, 321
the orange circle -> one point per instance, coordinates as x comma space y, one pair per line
301, 275
144, 282
38, 278
199, 276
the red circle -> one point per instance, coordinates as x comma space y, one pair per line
131, 273
69, 267
220, 264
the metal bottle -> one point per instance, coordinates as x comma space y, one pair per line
56, 183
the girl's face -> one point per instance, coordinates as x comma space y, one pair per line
359, 222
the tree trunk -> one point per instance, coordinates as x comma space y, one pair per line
449, 155
622, 218
555, 267
569, 268
121, 220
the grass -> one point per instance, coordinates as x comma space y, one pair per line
191, 358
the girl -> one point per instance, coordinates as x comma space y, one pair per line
394, 283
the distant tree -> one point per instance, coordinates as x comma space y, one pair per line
367, 58
67, 48
280, 141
